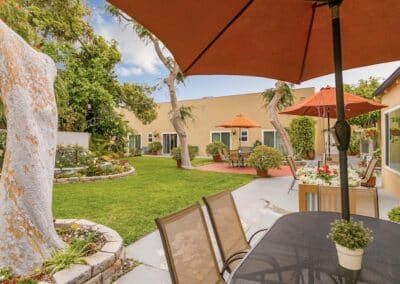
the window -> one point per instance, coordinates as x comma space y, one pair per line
224, 137
150, 137
244, 136
134, 142
271, 139
392, 137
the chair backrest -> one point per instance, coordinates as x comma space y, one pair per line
363, 201
292, 165
222, 154
370, 169
234, 155
225, 153
226, 223
188, 247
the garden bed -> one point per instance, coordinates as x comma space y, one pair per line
74, 179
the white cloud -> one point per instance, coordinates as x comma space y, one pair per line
137, 57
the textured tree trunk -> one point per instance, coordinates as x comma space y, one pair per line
27, 234
273, 117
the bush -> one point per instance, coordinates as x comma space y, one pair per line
154, 146
257, 143
302, 135
212, 148
350, 234
354, 146
71, 156
394, 214
264, 158
176, 152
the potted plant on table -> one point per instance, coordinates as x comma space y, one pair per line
264, 158
394, 214
214, 149
155, 147
350, 238
176, 154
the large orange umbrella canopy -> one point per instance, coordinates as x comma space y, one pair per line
280, 39
323, 104
240, 121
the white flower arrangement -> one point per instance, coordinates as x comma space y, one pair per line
309, 175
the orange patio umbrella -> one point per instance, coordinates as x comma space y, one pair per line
290, 40
239, 121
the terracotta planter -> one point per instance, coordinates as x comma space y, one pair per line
179, 163
262, 173
350, 259
310, 155
155, 152
395, 132
217, 158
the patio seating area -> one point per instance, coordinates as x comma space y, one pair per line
227, 168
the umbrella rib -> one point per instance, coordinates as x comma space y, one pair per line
219, 35
307, 42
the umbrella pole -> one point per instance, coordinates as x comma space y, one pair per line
342, 128
329, 136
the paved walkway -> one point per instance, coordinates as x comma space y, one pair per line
259, 203
227, 168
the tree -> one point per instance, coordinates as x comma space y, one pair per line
275, 100
365, 89
27, 234
175, 76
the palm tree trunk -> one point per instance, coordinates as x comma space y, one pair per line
272, 109
27, 234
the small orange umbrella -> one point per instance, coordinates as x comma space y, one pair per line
239, 121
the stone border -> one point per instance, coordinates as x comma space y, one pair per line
101, 266
94, 178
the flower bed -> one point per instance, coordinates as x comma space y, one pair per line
326, 175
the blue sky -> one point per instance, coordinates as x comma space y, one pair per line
140, 65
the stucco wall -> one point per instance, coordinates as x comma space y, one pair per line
73, 138
390, 178
209, 112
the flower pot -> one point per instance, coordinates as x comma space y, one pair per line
217, 158
310, 155
154, 152
349, 259
262, 173
179, 163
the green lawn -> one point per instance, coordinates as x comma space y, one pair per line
130, 205
201, 161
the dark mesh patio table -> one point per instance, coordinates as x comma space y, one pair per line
296, 250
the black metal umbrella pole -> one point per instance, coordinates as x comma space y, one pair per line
342, 127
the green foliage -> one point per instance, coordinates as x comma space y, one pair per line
71, 156
257, 143
186, 114
264, 158
286, 100
176, 152
394, 214
365, 89
214, 148
302, 135
350, 234
155, 146
354, 146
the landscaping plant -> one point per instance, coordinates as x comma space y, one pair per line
176, 152
264, 158
354, 146
394, 214
302, 135
350, 234
155, 147
214, 148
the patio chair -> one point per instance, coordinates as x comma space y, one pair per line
223, 154
293, 169
234, 157
365, 181
363, 201
225, 220
188, 248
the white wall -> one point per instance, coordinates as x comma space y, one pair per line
73, 138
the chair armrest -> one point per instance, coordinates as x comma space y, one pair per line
234, 257
257, 232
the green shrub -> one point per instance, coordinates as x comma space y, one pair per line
350, 234
214, 147
354, 146
176, 152
257, 143
394, 214
302, 135
155, 146
264, 158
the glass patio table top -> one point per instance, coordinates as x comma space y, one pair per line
296, 250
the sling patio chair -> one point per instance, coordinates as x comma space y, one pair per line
293, 170
369, 172
225, 220
223, 153
363, 201
188, 248
234, 157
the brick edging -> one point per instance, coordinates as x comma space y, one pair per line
94, 178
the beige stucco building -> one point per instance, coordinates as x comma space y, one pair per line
211, 111
390, 127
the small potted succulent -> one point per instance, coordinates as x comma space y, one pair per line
350, 238
214, 149
394, 214
155, 147
264, 158
176, 154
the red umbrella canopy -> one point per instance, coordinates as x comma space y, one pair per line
281, 39
324, 102
240, 121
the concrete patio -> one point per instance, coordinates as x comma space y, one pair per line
260, 203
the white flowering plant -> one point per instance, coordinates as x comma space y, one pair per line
326, 175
